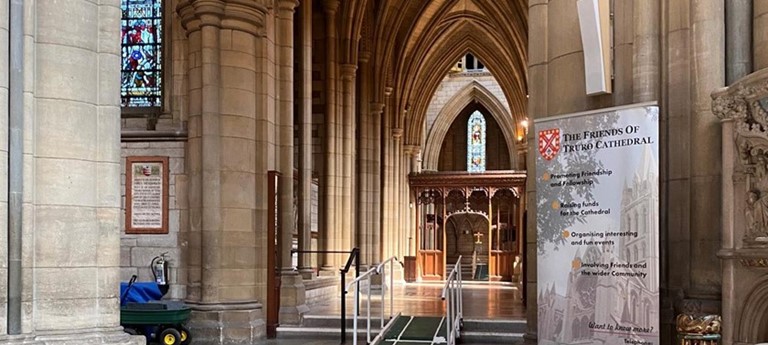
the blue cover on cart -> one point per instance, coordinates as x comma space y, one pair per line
140, 293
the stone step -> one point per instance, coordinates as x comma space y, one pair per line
334, 321
478, 338
493, 331
495, 326
306, 333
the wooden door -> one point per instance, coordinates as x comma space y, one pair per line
430, 237
273, 258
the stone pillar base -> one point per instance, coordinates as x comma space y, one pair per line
326, 271
307, 273
223, 324
293, 297
90, 336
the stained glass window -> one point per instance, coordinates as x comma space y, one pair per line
141, 53
476, 143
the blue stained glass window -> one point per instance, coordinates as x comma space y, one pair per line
476, 143
141, 38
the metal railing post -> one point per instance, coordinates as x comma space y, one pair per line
391, 290
461, 290
357, 275
383, 305
452, 291
343, 309
448, 313
354, 317
369, 310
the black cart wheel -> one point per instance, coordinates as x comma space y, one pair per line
170, 336
131, 331
186, 336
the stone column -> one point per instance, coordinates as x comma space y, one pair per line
760, 34
364, 185
292, 292
647, 53
304, 107
405, 223
377, 110
224, 288
397, 146
538, 69
708, 57
738, 39
329, 196
389, 176
4, 173
71, 197
727, 233
412, 228
348, 119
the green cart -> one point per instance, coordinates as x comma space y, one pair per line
158, 321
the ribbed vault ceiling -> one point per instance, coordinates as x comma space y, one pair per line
415, 43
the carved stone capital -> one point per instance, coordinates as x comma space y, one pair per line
287, 5
364, 56
330, 6
348, 71
242, 15
377, 108
397, 133
388, 91
411, 149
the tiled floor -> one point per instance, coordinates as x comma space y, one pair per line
481, 301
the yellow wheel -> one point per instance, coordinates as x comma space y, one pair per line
186, 337
170, 336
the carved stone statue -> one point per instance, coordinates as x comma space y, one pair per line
706, 324
757, 216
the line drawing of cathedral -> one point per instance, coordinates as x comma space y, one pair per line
612, 300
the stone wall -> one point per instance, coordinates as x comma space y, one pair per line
137, 251
455, 82
3, 158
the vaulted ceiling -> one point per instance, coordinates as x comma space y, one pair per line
415, 43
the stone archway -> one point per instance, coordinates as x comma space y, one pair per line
753, 321
473, 91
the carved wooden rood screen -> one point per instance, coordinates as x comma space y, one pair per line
477, 216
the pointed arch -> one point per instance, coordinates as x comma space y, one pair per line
474, 91
753, 316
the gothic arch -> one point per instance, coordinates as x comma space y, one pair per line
473, 91
754, 314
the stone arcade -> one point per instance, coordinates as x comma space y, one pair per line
312, 123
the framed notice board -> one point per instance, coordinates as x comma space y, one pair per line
146, 195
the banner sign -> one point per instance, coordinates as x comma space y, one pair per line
598, 227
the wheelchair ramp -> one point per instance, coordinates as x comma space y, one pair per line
413, 330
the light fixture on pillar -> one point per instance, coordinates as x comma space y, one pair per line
524, 125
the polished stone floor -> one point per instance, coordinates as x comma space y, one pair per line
481, 301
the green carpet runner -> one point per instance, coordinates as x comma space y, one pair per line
413, 330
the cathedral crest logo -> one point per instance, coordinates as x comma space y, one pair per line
549, 143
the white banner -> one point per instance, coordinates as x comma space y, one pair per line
598, 227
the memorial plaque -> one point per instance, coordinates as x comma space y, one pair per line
146, 195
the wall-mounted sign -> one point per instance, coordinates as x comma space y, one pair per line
597, 188
146, 195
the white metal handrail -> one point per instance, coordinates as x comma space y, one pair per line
378, 270
454, 313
